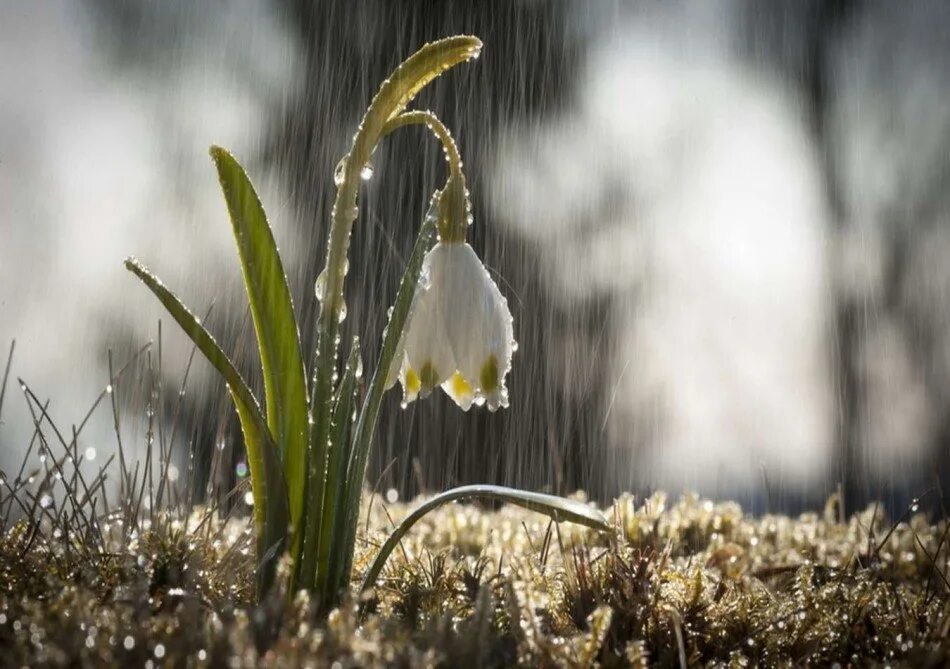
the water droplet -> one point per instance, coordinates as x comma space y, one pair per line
109, 388
128, 643
90, 453
46, 501
159, 651
320, 287
249, 498
340, 172
392, 495
241, 469
367, 172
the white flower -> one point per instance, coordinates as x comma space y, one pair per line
459, 331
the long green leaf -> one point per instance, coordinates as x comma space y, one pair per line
330, 561
558, 508
366, 423
285, 380
267, 479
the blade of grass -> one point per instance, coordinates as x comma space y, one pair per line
267, 479
557, 508
285, 381
6, 375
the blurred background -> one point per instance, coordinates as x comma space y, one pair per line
723, 229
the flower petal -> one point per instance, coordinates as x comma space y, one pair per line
460, 390
429, 359
479, 325
459, 333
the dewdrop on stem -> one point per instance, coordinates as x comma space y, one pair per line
320, 287
339, 174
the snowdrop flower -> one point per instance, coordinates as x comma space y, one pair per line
459, 333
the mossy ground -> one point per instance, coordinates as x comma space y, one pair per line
688, 582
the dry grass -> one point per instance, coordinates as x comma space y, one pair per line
686, 583
147, 580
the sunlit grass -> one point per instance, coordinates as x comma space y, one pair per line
93, 577
673, 584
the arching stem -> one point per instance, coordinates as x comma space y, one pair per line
430, 120
366, 423
395, 93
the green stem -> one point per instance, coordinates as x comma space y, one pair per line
393, 96
453, 203
336, 467
333, 584
366, 423
430, 120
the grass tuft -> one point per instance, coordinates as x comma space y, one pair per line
95, 574
689, 582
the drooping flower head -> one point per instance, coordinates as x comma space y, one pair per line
459, 333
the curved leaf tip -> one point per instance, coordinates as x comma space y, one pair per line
557, 508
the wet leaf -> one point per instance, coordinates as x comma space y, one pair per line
558, 508
278, 340
267, 479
